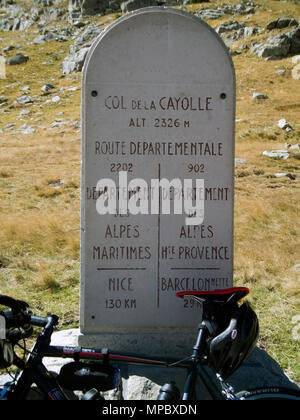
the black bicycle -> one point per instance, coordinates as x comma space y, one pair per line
226, 336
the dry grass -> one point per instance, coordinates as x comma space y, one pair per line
39, 223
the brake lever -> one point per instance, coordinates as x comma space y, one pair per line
14, 336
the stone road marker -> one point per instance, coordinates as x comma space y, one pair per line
158, 103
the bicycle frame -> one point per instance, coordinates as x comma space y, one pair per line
35, 372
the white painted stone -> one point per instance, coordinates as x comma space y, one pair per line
279, 154
158, 102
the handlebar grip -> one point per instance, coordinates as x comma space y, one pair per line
14, 304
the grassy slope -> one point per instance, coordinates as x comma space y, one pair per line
39, 224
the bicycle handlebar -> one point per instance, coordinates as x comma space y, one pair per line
19, 317
14, 304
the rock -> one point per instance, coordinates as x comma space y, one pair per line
296, 268
53, 13
280, 71
5, 24
210, 14
18, 59
242, 9
281, 23
279, 154
260, 96
229, 26
57, 183
141, 388
53, 100
88, 7
239, 161
293, 147
26, 130
44, 3
79, 8
3, 100
74, 62
24, 112
8, 48
250, 31
279, 46
46, 88
59, 35
281, 175
295, 41
10, 125
286, 22
239, 9
284, 125
79, 24
130, 5
88, 35
24, 99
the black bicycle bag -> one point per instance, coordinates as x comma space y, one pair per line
78, 376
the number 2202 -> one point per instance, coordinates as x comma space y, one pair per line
117, 167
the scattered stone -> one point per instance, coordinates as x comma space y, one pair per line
284, 125
88, 35
78, 51
3, 100
59, 35
279, 46
139, 388
5, 24
26, 130
24, 112
10, 125
282, 23
230, 26
24, 99
8, 48
260, 96
210, 14
46, 88
57, 124
79, 24
296, 268
239, 161
78, 8
293, 147
281, 175
57, 183
18, 59
277, 154
74, 62
56, 99
72, 89
295, 41
239, 9
280, 71
130, 5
